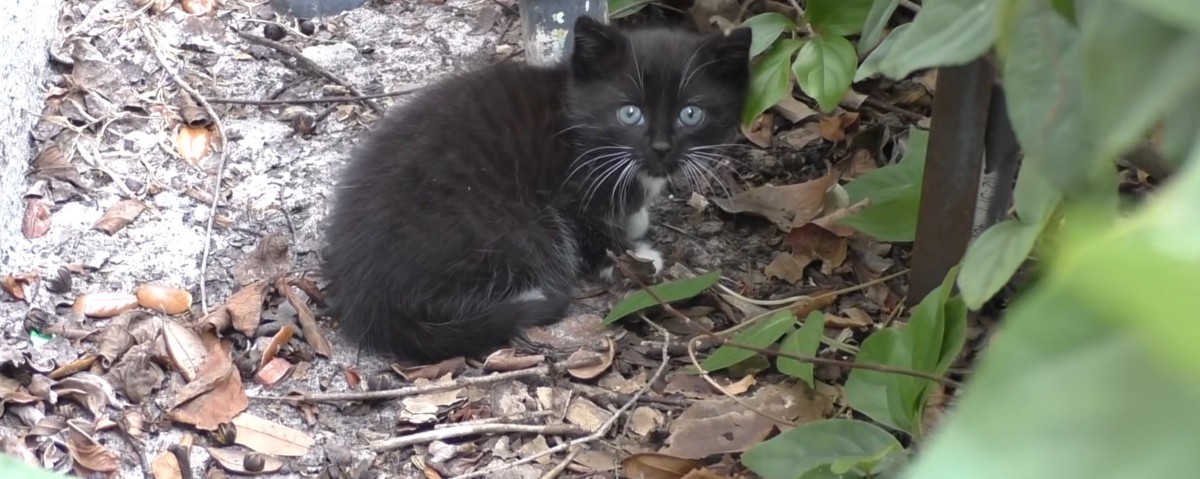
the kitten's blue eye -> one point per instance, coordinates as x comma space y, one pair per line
691, 115
629, 115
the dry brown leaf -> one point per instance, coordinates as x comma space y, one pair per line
193, 143
703, 473
270, 259
644, 420
215, 396
19, 285
51, 163
215, 321
786, 267
280, 338
164, 299
308, 322
90, 390
165, 466
740, 386
657, 466
589, 372
115, 339
83, 363
353, 378
507, 360
186, 349
273, 372
833, 128
90, 455
245, 307
698, 202
269, 437
760, 130
586, 414
811, 242
119, 216
136, 376
36, 221
104, 305
794, 110
451, 366
310, 288
233, 460
721, 426
786, 206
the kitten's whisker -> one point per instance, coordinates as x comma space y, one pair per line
640, 83
689, 76
580, 166
595, 187
707, 170
598, 169
686, 66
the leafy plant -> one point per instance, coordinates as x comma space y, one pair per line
670, 291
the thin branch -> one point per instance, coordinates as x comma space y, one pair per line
472, 430
309, 65
562, 465
311, 101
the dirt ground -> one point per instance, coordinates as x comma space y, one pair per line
114, 113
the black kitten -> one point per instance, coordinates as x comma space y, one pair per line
471, 211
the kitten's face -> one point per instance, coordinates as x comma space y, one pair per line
655, 101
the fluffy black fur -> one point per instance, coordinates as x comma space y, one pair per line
471, 211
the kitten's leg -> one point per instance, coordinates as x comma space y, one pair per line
637, 225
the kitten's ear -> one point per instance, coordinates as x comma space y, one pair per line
595, 48
730, 54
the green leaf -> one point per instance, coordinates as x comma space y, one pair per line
824, 69
624, 8
994, 257
838, 17
670, 291
895, 193
804, 342
844, 442
1181, 130
1066, 9
1042, 77
1158, 68
765, 28
945, 33
770, 78
929, 342
877, 18
870, 65
760, 335
1183, 14
12, 467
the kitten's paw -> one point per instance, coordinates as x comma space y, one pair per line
606, 274
647, 252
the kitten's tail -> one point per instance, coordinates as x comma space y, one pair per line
440, 336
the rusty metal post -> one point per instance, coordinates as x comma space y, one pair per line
546, 26
950, 185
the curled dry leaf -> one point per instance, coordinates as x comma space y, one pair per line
215, 396
786, 267
193, 115
277, 341
271, 258
90, 455
308, 322
811, 242
36, 221
115, 340
451, 366
164, 299
104, 305
270, 437
657, 466
136, 376
19, 285
166, 466
193, 143
787, 206
234, 460
119, 216
197, 7
720, 426
760, 130
604, 361
833, 128
89, 390
794, 110
507, 360
245, 308
185, 349
52, 163
83, 363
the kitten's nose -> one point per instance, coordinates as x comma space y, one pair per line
660, 146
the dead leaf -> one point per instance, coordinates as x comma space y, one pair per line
115, 339
310, 288
308, 322
811, 242
164, 299
52, 163
269, 437
186, 350
136, 376
119, 216
720, 426
60, 282
166, 466
90, 455
193, 143
589, 372
644, 420
657, 466
234, 460
586, 414
786, 267
89, 390
740, 386
698, 202
507, 360
794, 110
703, 473
19, 285
245, 307
83, 363
833, 128
273, 372
270, 259
216, 395
36, 221
104, 305
760, 130
852, 100
787, 206
451, 366
280, 338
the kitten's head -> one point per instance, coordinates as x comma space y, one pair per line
655, 97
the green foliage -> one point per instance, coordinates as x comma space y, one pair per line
670, 291
765, 28
824, 68
947, 32
929, 342
829, 448
876, 21
895, 193
11, 467
624, 8
770, 78
831, 18
870, 65
760, 335
804, 342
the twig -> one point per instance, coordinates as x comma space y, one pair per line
741, 402
433, 388
200, 100
562, 465
309, 65
601, 432
911, 115
474, 429
598, 392
310, 101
